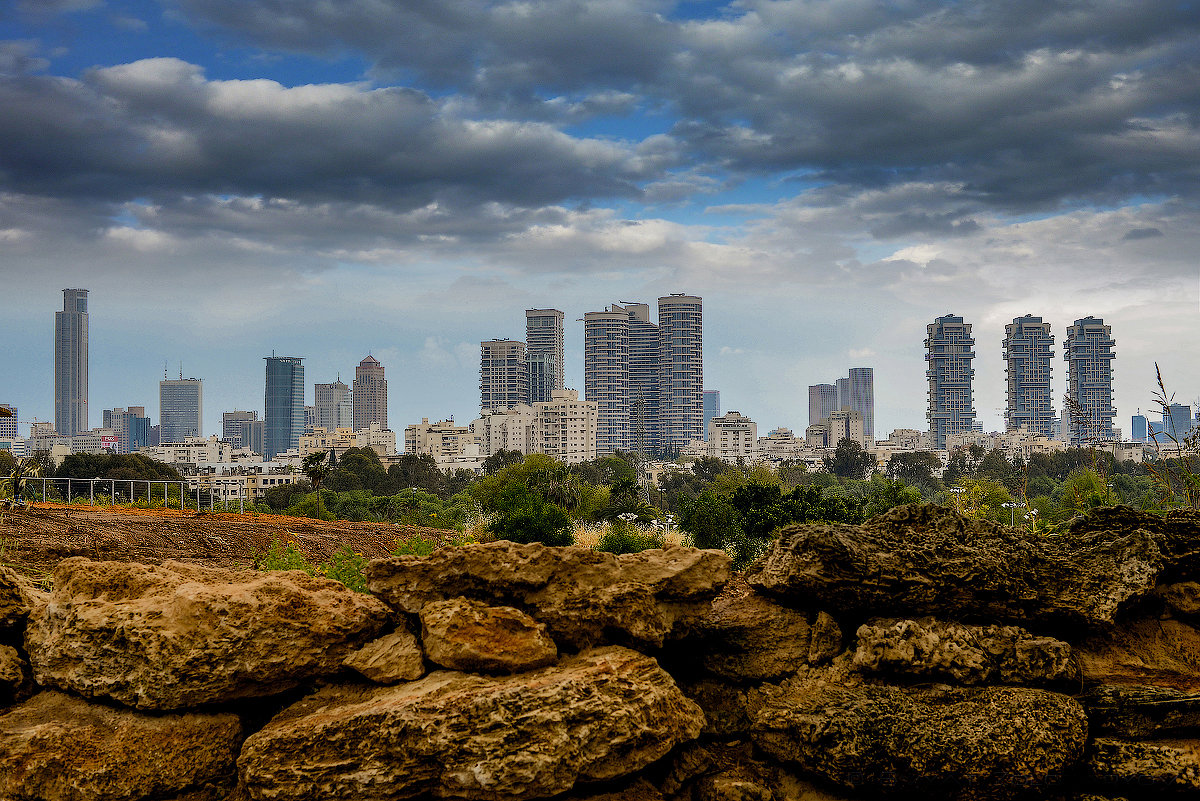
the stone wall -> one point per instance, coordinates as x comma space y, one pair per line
920, 654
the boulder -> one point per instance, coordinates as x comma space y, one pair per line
14, 675
60, 748
1179, 531
921, 560
728, 710
1146, 651
639, 790
1182, 598
461, 634
747, 637
585, 598
176, 635
994, 743
1138, 711
1172, 765
936, 649
18, 596
597, 716
391, 659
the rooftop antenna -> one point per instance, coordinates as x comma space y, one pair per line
164, 369
180, 369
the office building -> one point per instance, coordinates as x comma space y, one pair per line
283, 403
1089, 355
822, 402
180, 409
544, 352
131, 426
242, 429
860, 385
1139, 431
843, 392
1028, 353
647, 379
1177, 420
71, 363
712, 407
949, 349
334, 405
8, 424
503, 375
369, 395
845, 423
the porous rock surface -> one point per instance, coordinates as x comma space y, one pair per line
994, 743
391, 659
461, 634
60, 748
925, 560
1172, 765
597, 716
1164, 652
929, 648
1141, 711
177, 635
18, 596
585, 598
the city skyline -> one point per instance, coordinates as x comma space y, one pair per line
400, 179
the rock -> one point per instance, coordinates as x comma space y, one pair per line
460, 634
732, 788
640, 790
18, 596
60, 748
1161, 764
597, 716
176, 635
747, 637
14, 675
585, 598
935, 649
1143, 651
728, 710
391, 659
1182, 598
994, 743
927, 560
1140, 711
1179, 530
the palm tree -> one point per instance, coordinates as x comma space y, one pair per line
24, 470
315, 467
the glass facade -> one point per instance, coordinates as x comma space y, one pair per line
283, 403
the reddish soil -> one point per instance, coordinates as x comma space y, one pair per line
36, 539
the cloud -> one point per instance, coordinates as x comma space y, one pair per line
1141, 233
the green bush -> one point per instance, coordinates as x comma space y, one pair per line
523, 516
347, 567
625, 537
286, 556
416, 545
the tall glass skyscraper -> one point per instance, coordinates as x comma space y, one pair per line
544, 351
503, 375
334, 404
949, 349
71, 363
180, 409
1028, 352
1089, 356
283, 404
822, 402
369, 394
712, 408
860, 385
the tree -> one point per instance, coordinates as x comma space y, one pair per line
916, 469
998, 468
710, 520
419, 471
525, 517
314, 466
849, 460
500, 460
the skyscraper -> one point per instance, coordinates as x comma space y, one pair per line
1139, 431
503, 375
71, 363
1089, 354
822, 402
544, 352
860, 385
180, 409
233, 427
334, 404
131, 426
1028, 351
1177, 420
647, 379
283, 404
949, 350
712, 407
369, 395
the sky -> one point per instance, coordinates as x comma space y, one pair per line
334, 178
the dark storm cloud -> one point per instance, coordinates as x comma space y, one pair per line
1141, 233
159, 128
1026, 103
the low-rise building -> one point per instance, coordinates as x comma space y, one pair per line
440, 439
733, 437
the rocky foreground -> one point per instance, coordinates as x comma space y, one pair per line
918, 655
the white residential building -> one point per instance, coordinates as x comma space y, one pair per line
733, 437
563, 427
439, 439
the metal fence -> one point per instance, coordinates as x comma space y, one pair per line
115, 489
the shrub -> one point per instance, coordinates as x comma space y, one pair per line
416, 545
625, 537
286, 556
348, 567
525, 517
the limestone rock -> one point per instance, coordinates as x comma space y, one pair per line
597, 716
927, 560
60, 748
747, 637
728, 710
18, 596
1143, 651
1183, 598
585, 598
460, 634
14, 675
640, 790
176, 635
391, 659
1161, 764
994, 743
1135, 711
935, 649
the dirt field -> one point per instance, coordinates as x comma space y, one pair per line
36, 539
